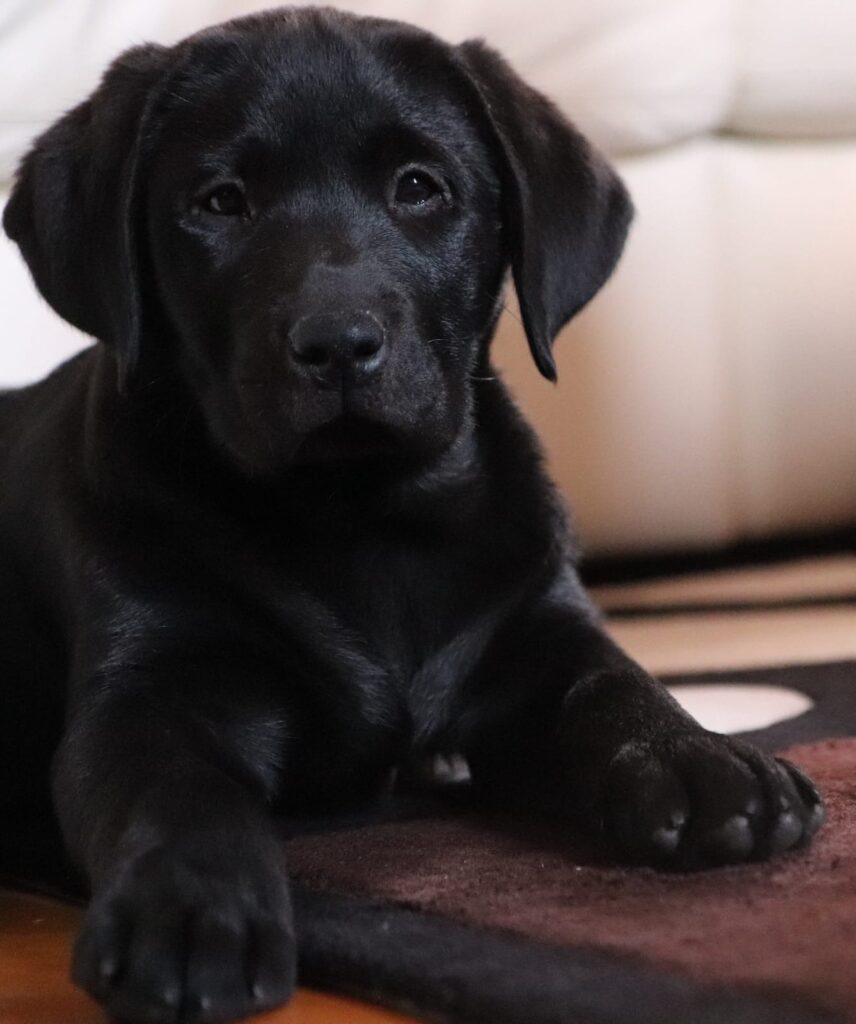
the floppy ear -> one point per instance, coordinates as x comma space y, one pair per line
72, 209
565, 211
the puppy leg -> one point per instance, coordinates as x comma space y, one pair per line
161, 790
560, 715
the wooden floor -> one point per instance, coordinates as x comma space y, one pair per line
35, 943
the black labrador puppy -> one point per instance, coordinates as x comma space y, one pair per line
283, 530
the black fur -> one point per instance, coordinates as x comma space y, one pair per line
283, 530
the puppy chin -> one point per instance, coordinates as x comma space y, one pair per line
347, 441
348, 438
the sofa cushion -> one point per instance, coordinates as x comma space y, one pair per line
635, 74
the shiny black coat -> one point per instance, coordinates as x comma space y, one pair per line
282, 531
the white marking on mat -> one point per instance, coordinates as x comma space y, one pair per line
742, 706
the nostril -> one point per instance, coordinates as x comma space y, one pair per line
313, 355
365, 348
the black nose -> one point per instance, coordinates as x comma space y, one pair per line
337, 348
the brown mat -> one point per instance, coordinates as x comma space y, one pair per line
785, 929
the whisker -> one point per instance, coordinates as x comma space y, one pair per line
512, 314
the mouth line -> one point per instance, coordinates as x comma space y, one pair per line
346, 386
345, 437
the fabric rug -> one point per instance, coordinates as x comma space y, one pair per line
458, 916
474, 918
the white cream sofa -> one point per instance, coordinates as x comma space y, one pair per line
709, 392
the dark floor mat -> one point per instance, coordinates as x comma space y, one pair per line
473, 917
784, 930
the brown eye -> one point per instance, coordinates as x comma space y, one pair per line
416, 188
227, 201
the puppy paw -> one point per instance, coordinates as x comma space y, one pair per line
700, 799
171, 939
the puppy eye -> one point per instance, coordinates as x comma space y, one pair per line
227, 201
416, 188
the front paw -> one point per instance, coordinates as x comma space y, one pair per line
172, 937
699, 799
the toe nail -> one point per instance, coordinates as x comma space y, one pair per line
107, 969
666, 840
733, 838
817, 817
678, 820
171, 997
786, 832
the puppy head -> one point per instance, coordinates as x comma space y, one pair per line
309, 217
